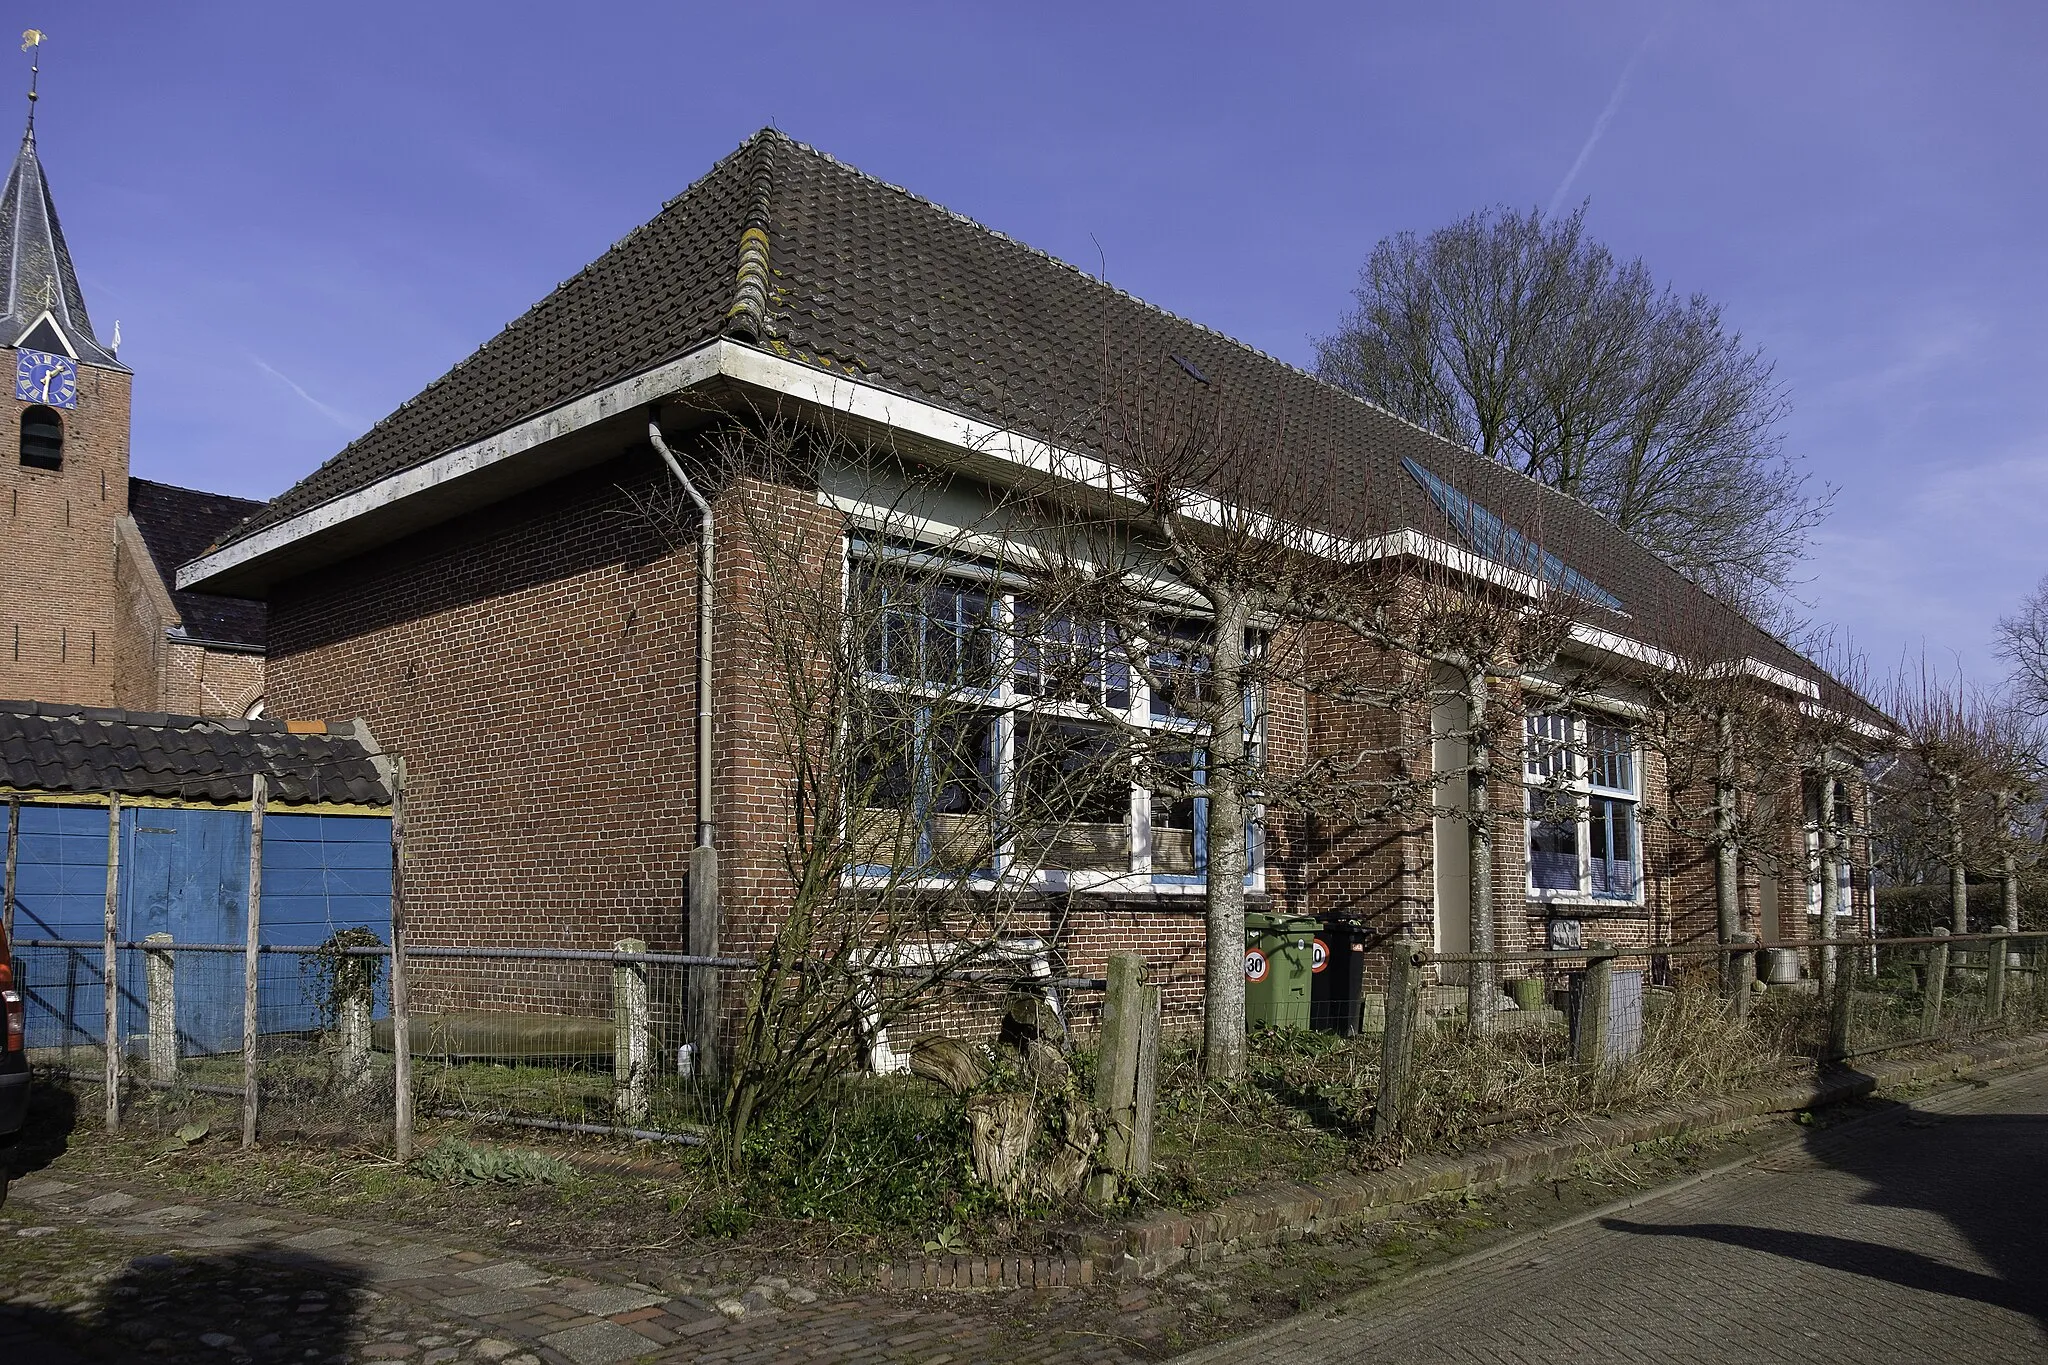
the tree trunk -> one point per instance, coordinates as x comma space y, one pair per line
1482, 986
1223, 1031
1727, 862
1830, 886
1958, 884
2008, 864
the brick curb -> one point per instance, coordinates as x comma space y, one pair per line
1150, 1245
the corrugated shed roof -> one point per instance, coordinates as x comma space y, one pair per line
87, 749
178, 524
868, 279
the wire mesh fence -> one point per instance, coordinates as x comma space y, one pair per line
1612, 1025
623, 1042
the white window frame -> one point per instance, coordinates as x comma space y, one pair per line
1845, 869
1009, 705
1539, 775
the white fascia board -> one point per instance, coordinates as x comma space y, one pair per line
1770, 673
854, 398
1609, 642
664, 381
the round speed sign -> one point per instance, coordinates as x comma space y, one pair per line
1318, 955
1255, 965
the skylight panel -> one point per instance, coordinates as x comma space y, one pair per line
1488, 535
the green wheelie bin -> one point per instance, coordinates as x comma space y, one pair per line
1278, 955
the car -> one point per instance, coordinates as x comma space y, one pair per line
14, 1059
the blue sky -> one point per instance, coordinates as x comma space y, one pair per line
302, 214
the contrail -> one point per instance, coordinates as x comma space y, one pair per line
1606, 116
340, 419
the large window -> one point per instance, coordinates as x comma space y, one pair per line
1845, 820
1583, 789
998, 739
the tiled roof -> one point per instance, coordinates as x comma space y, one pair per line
868, 279
178, 524
88, 749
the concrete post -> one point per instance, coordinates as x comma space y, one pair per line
1937, 984
1590, 1025
1117, 1058
162, 993
631, 1043
1397, 1041
352, 1022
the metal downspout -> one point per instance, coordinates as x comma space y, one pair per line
702, 1008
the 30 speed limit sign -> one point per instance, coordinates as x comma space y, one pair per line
1318, 955
1255, 965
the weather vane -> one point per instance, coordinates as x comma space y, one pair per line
31, 43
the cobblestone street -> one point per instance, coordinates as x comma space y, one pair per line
1912, 1237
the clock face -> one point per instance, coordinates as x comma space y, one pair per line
40, 377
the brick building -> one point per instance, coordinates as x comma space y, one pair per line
88, 614
479, 578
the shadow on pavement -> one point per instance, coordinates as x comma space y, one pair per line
1982, 1173
266, 1304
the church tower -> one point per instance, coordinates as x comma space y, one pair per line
64, 631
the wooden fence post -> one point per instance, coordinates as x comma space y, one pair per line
1117, 1068
252, 939
162, 993
13, 850
401, 986
700, 1003
1937, 984
1145, 1094
629, 1035
110, 1039
1590, 1022
1397, 1036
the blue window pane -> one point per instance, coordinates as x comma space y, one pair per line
1490, 536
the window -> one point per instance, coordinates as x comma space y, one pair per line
997, 736
1844, 872
1581, 779
42, 438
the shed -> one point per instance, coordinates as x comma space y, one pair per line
184, 785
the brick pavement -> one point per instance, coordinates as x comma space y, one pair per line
1915, 1236
221, 1284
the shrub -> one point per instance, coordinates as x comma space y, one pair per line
451, 1161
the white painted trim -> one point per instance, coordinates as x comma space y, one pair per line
63, 337
867, 402
664, 381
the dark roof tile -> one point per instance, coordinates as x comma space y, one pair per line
93, 749
179, 524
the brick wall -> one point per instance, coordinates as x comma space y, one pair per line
64, 635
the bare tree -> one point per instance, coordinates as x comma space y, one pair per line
871, 684
1527, 341
2023, 643
1214, 564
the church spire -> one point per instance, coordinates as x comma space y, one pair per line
36, 274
